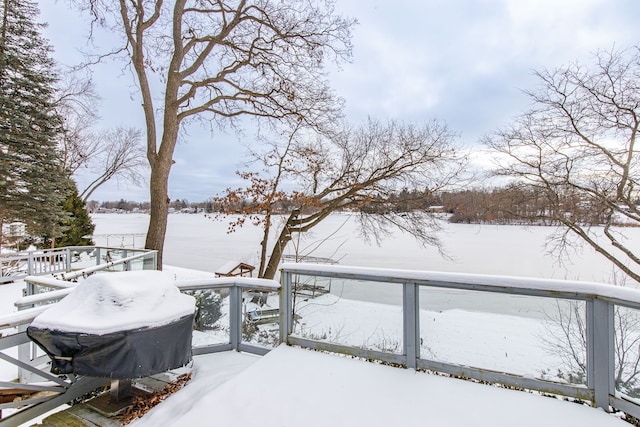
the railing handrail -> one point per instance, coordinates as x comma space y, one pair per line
48, 251
22, 317
556, 288
50, 282
27, 314
59, 260
85, 271
600, 302
225, 282
42, 298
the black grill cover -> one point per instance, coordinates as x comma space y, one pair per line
129, 354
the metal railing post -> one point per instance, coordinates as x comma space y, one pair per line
98, 255
30, 266
286, 326
24, 350
24, 355
235, 316
600, 351
410, 321
67, 266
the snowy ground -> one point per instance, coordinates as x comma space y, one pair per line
295, 387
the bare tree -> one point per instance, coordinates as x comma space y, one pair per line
76, 103
116, 153
224, 59
345, 171
578, 144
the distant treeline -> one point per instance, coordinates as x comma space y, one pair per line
508, 205
131, 206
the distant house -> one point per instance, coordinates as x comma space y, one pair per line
435, 209
17, 229
235, 268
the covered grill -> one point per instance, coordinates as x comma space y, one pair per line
118, 325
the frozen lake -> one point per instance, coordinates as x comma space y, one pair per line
198, 242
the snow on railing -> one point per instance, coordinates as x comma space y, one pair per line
233, 304
584, 323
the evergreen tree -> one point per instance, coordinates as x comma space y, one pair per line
32, 178
78, 224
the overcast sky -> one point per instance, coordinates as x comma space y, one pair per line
464, 62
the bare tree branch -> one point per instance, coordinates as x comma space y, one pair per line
577, 148
222, 60
346, 171
118, 154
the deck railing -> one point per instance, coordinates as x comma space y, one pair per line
587, 333
63, 260
225, 328
234, 321
570, 338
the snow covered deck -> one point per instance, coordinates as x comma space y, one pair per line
291, 386
297, 387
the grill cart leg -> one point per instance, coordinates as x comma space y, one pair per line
120, 390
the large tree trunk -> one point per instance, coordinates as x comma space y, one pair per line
265, 242
159, 208
212, 70
159, 189
278, 248
160, 167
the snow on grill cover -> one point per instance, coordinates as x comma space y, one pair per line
118, 325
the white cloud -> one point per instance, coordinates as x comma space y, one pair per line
462, 61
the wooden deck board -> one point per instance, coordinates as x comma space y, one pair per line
100, 412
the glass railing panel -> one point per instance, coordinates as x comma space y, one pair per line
627, 353
536, 337
211, 325
136, 264
83, 258
355, 313
261, 318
